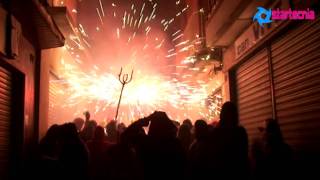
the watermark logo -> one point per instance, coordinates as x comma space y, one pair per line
264, 16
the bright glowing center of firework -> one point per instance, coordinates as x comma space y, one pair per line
154, 91
144, 94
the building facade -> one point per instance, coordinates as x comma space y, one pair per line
32, 39
271, 71
274, 74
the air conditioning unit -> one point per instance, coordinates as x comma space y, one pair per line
15, 38
10, 34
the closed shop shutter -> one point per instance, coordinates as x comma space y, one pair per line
296, 66
53, 112
253, 93
5, 118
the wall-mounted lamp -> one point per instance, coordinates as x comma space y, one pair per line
216, 69
209, 54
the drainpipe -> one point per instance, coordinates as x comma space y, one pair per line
202, 27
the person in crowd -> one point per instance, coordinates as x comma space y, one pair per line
120, 129
257, 146
49, 152
79, 122
160, 152
220, 152
197, 153
185, 136
74, 156
176, 123
87, 118
188, 123
112, 134
273, 157
121, 161
201, 130
49, 144
229, 146
97, 147
88, 131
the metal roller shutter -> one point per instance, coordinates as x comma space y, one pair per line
5, 114
296, 66
254, 97
53, 101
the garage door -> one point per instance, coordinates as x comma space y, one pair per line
253, 93
53, 104
296, 63
5, 114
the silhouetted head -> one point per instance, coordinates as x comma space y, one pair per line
161, 126
200, 129
184, 132
229, 115
176, 123
112, 129
50, 143
52, 134
87, 115
79, 122
99, 134
121, 127
88, 131
187, 122
93, 124
273, 131
69, 133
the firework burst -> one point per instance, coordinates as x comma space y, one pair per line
138, 40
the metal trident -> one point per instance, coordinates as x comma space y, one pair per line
124, 79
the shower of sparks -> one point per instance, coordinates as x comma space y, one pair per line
98, 12
145, 92
170, 50
82, 31
179, 36
86, 42
124, 20
98, 88
182, 43
184, 9
148, 30
118, 33
142, 9
101, 7
159, 46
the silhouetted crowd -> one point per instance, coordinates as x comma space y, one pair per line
169, 150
